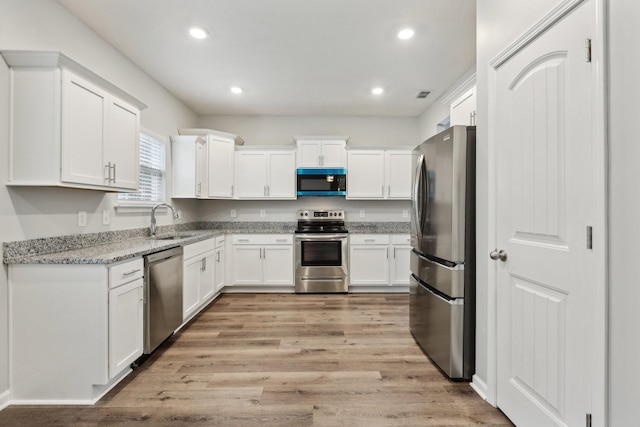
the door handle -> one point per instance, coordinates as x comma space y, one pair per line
498, 255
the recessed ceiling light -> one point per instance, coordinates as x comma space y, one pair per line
236, 89
377, 91
405, 34
198, 33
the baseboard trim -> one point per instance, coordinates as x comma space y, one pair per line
479, 386
5, 399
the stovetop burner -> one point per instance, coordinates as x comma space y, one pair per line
321, 221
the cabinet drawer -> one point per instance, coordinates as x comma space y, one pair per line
262, 239
400, 239
198, 248
120, 274
369, 239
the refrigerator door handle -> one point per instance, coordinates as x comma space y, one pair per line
416, 199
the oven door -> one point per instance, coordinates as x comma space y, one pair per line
321, 262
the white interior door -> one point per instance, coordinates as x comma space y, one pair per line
544, 202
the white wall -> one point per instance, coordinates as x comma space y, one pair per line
276, 130
41, 212
498, 24
624, 213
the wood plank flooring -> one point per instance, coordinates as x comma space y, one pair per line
283, 360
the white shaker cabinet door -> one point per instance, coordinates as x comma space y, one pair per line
220, 169
123, 141
398, 172
369, 265
247, 265
125, 326
333, 154
365, 177
191, 286
84, 115
251, 179
309, 153
282, 175
207, 281
278, 265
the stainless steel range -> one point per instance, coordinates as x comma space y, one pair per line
321, 252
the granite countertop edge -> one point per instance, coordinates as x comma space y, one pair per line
136, 244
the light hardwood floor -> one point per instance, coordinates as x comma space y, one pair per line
284, 360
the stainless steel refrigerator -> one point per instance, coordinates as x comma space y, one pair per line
442, 281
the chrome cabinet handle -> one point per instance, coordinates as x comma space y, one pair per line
114, 172
129, 273
498, 255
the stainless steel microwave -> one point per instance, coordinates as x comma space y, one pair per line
322, 182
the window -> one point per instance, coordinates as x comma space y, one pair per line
152, 168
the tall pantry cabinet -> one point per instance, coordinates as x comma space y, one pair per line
70, 127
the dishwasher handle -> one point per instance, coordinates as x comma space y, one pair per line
164, 254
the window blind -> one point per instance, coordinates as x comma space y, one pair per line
152, 167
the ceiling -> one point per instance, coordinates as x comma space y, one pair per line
293, 57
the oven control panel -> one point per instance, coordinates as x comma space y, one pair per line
322, 215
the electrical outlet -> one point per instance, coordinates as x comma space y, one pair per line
82, 218
233, 213
106, 217
362, 215
263, 213
405, 213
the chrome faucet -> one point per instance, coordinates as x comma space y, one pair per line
153, 226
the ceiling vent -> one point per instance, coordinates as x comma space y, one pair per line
423, 94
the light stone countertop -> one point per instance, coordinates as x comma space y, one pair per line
115, 246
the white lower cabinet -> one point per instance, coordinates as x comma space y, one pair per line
378, 261
80, 327
126, 317
262, 259
199, 276
219, 259
399, 252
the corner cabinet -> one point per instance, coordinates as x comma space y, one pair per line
203, 165
80, 328
203, 274
321, 151
379, 174
69, 127
266, 174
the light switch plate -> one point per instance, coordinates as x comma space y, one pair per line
405, 213
362, 215
106, 217
233, 213
263, 213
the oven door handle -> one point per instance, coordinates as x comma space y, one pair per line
320, 236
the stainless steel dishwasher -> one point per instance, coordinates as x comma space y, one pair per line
163, 296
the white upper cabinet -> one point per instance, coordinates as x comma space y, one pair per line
265, 174
379, 174
203, 165
220, 165
70, 127
188, 166
463, 109
321, 151
365, 176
